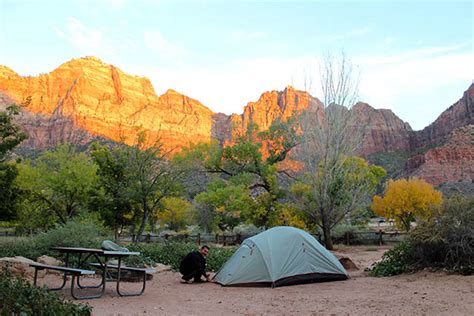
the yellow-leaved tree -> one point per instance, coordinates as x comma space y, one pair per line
405, 200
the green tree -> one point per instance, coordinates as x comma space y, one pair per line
112, 199
347, 192
227, 203
58, 184
11, 135
249, 161
152, 178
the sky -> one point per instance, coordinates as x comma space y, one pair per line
413, 57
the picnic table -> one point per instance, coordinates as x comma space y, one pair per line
102, 257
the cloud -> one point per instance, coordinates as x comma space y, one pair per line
88, 40
156, 42
83, 38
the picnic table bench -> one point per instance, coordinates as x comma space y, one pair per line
74, 272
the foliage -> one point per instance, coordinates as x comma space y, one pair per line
248, 176
344, 194
226, 203
111, 200
175, 213
9, 192
395, 261
443, 241
19, 297
56, 186
76, 233
448, 239
10, 136
171, 253
152, 178
407, 200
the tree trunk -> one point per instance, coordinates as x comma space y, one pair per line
327, 233
144, 221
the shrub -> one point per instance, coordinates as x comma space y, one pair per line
19, 297
395, 261
448, 240
445, 241
171, 253
72, 234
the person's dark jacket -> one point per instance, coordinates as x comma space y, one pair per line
193, 263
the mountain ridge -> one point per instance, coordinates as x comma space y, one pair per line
85, 98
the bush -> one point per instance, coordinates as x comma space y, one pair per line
171, 253
445, 241
448, 240
73, 234
18, 297
395, 261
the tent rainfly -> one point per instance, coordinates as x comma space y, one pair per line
280, 256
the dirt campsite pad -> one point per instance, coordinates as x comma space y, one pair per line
428, 293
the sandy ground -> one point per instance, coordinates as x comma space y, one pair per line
422, 293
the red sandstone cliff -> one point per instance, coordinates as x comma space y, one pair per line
104, 101
459, 114
451, 162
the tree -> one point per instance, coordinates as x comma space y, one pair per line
249, 162
348, 191
152, 178
58, 184
175, 213
405, 200
329, 136
226, 204
11, 135
111, 200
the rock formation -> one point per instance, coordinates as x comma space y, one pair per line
85, 99
104, 101
451, 162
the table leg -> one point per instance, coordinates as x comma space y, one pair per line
118, 281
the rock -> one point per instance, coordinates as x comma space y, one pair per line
19, 266
50, 261
347, 262
85, 98
451, 162
382, 130
459, 114
159, 267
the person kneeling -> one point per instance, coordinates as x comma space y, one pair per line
193, 266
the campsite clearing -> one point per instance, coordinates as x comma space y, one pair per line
420, 293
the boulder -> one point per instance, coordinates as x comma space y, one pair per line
347, 263
20, 266
51, 262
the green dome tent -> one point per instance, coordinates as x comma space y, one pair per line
280, 256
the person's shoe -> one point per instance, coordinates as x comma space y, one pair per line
186, 281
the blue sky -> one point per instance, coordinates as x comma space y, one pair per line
414, 57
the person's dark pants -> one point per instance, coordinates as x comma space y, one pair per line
195, 274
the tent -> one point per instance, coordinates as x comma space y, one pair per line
280, 256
